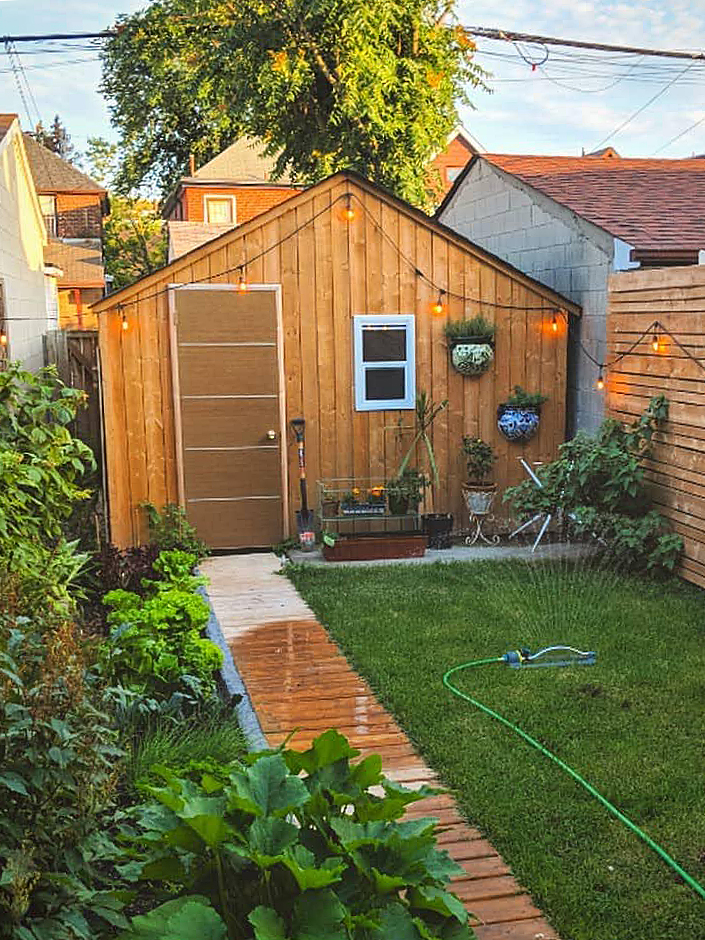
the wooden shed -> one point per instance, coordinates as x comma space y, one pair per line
205, 362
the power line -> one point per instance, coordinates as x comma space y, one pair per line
104, 34
678, 136
506, 35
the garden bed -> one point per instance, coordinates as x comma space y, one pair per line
376, 545
633, 725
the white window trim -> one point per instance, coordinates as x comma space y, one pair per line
395, 321
219, 197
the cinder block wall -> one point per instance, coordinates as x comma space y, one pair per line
552, 244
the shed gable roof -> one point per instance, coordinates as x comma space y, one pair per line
356, 181
650, 204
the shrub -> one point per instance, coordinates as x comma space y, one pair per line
295, 844
474, 327
479, 458
56, 789
522, 399
155, 644
170, 529
598, 484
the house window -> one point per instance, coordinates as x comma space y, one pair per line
385, 367
48, 207
219, 209
453, 172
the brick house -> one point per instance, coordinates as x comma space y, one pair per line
237, 185
73, 206
569, 222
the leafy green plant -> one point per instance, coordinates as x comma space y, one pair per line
299, 844
407, 488
522, 399
56, 789
426, 413
170, 530
598, 484
155, 644
190, 918
479, 458
474, 327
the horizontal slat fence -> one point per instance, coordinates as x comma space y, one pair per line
675, 298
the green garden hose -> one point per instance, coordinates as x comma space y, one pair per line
690, 881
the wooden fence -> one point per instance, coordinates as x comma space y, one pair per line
75, 354
675, 298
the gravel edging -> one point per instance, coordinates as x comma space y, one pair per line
234, 684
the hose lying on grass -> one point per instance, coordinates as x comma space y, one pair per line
523, 658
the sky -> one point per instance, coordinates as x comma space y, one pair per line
564, 104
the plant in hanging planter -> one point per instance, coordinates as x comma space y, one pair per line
405, 491
478, 491
471, 344
518, 417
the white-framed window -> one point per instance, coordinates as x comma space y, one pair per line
385, 362
219, 209
453, 172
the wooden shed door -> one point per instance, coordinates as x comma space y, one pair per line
226, 361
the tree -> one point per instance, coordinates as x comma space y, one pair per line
370, 85
58, 140
134, 238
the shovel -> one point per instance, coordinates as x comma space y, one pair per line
304, 517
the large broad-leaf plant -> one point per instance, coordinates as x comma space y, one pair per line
295, 846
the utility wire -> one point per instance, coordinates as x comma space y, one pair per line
678, 136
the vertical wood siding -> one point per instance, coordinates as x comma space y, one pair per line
329, 271
676, 298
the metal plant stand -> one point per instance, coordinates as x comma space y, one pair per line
480, 512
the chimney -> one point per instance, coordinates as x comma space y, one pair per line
191, 165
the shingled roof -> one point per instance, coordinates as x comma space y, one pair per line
241, 162
53, 175
81, 263
650, 204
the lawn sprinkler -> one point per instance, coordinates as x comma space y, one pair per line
549, 656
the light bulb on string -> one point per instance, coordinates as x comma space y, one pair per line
125, 324
3, 336
348, 211
600, 380
439, 306
554, 323
242, 283
655, 342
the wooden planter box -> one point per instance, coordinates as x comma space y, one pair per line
370, 547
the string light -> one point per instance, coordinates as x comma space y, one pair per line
3, 337
554, 323
600, 380
241, 284
125, 324
439, 306
348, 211
654, 342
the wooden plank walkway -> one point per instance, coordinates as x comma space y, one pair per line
300, 682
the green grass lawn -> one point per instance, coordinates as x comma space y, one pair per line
633, 725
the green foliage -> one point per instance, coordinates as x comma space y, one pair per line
57, 139
479, 457
324, 85
56, 789
170, 530
426, 413
156, 645
409, 485
209, 737
297, 845
598, 483
522, 399
189, 918
473, 327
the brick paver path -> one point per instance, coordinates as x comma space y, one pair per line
300, 682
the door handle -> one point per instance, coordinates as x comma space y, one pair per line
272, 434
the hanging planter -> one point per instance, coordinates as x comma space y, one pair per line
519, 416
471, 344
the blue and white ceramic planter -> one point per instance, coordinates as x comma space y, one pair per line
472, 356
518, 424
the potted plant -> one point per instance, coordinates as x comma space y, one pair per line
518, 417
478, 492
471, 344
405, 491
369, 502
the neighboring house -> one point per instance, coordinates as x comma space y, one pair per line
237, 185
73, 206
569, 221
336, 322
229, 190
28, 302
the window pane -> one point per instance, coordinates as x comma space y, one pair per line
219, 210
383, 384
380, 344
